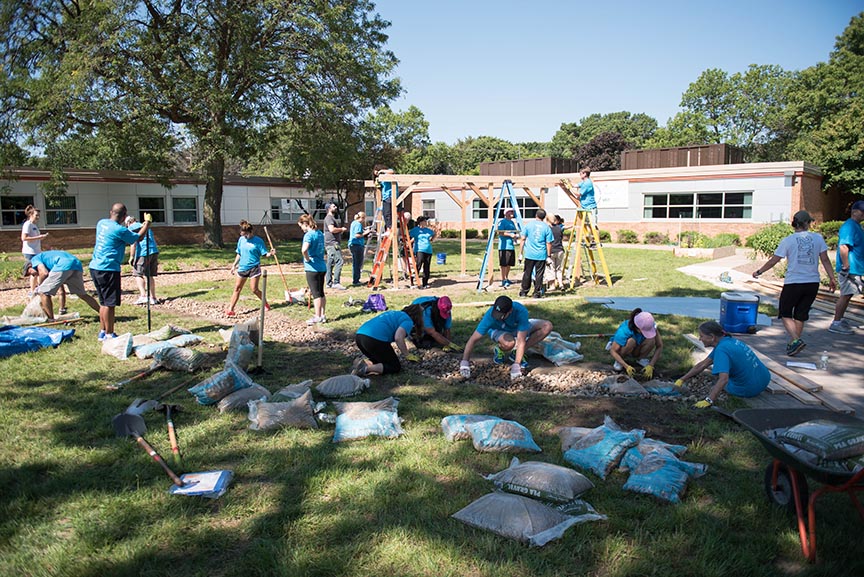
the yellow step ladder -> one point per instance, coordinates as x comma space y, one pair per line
585, 240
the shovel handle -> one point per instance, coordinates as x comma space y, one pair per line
172, 436
152, 452
140, 375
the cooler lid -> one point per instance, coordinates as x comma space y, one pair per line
739, 297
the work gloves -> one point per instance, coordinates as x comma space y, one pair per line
148, 217
648, 371
412, 358
631, 371
679, 383
515, 371
704, 403
452, 347
465, 369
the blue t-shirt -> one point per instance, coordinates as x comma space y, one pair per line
747, 375
56, 261
356, 228
422, 239
250, 250
111, 240
515, 322
383, 327
142, 245
506, 242
427, 312
852, 235
623, 334
536, 234
386, 190
586, 195
316, 262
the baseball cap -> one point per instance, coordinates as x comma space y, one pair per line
802, 216
27, 267
646, 325
858, 205
444, 306
509, 211
502, 306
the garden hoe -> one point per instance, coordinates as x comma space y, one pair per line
130, 425
279, 266
168, 410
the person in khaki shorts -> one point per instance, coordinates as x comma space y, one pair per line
54, 268
850, 266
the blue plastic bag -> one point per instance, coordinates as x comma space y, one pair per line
663, 475
454, 429
500, 436
600, 450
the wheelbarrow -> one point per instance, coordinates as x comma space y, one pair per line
786, 476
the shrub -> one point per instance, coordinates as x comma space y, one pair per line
693, 239
605, 236
471, 233
830, 230
656, 238
626, 236
765, 240
449, 233
726, 239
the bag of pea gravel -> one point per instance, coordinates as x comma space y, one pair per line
342, 386
543, 481
500, 436
298, 413
180, 359
239, 400
828, 439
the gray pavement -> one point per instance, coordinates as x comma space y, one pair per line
842, 383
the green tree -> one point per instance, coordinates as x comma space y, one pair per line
219, 70
684, 129
824, 112
603, 152
470, 152
434, 159
633, 128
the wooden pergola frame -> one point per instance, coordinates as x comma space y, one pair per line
408, 183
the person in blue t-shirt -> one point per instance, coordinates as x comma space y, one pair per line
386, 194
737, 367
111, 240
513, 332
536, 246
314, 265
247, 264
144, 260
437, 321
637, 337
376, 336
357, 245
508, 234
53, 269
586, 192
850, 266
423, 237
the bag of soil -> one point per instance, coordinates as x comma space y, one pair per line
663, 475
454, 429
500, 436
298, 413
342, 386
634, 455
240, 348
239, 400
623, 385
120, 347
367, 419
291, 392
167, 332
602, 449
149, 350
179, 359
543, 481
526, 520
569, 435
212, 390
189, 340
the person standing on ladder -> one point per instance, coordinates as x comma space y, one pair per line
507, 235
536, 247
386, 194
586, 194
332, 244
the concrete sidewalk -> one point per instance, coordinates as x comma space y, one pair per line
843, 382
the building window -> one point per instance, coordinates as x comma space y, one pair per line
429, 208
12, 209
155, 205
527, 208
184, 210
61, 211
716, 205
290, 209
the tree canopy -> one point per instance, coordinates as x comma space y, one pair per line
216, 73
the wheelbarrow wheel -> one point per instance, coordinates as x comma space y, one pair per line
783, 495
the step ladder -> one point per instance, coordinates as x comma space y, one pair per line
383, 252
508, 195
585, 241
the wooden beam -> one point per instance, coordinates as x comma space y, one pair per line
534, 197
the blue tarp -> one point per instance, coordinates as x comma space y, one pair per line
15, 340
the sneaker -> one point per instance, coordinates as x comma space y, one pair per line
795, 347
101, 336
338, 287
358, 366
846, 323
322, 320
840, 328
63, 311
154, 301
506, 283
230, 314
523, 294
313, 321
512, 359
644, 362
141, 301
616, 366
498, 356
267, 307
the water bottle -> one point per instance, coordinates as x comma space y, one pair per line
823, 361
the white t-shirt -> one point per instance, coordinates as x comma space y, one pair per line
31, 246
801, 251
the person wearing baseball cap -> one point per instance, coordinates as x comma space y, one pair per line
54, 269
637, 337
508, 325
803, 251
437, 320
850, 266
507, 233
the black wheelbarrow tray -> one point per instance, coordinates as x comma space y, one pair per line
785, 477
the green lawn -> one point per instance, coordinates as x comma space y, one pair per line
77, 501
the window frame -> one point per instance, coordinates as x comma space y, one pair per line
73, 210
15, 212
154, 212
701, 205
175, 210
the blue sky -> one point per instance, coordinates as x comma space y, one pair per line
517, 69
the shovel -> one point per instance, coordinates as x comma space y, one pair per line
140, 406
172, 436
154, 366
127, 425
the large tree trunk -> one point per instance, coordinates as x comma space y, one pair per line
213, 202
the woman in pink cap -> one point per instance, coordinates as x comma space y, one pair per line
637, 338
437, 321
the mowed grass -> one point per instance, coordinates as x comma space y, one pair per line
77, 501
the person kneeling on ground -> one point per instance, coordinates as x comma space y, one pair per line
54, 268
437, 320
374, 338
508, 325
637, 337
737, 367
